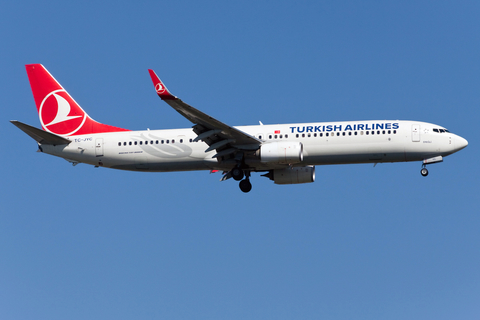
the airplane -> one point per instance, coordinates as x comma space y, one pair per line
286, 153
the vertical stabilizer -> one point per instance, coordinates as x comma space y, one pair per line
59, 113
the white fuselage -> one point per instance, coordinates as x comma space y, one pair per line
323, 143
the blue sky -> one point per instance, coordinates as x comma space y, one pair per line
359, 243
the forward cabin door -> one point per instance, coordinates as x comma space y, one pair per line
99, 147
416, 133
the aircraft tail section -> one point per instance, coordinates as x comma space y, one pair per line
59, 113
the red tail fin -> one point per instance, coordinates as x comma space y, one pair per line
57, 110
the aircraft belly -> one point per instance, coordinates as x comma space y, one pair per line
147, 162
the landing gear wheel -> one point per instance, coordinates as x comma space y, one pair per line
237, 174
245, 185
424, 172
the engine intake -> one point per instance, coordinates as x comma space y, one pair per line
282, 152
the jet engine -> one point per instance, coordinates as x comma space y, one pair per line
282, 152
292, 175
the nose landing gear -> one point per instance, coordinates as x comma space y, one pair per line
424, 172
436, 159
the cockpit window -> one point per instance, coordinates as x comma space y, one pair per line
440, 130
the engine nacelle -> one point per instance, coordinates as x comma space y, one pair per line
282, 152
293, 175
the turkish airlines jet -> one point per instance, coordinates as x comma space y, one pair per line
287, 153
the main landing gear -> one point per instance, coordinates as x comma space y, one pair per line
238, 174
245, 185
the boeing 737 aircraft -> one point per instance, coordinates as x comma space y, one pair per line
287, 153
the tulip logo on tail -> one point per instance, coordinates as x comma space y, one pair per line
57, 115
160, 88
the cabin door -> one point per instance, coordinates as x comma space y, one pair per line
99, 147
416, 133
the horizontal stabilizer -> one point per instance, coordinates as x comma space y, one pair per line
42, 137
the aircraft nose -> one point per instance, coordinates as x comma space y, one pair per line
460, 143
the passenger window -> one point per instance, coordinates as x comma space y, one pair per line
181, 140
168, 141
350, 133
119, 144
309, 135
163, 141
130, 143
260, 137
156, 142
366, 132
270, 137
124, 143
297, 135
303, 135
355, 132
389, 132
383, 132
338, 133
286, 136
276, 136
135, 143
326, 134
343, 133
373, 132
173, 141
394, 131
378, 132
321, 134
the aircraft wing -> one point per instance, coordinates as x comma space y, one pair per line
218, 135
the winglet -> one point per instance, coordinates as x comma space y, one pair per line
162, 91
